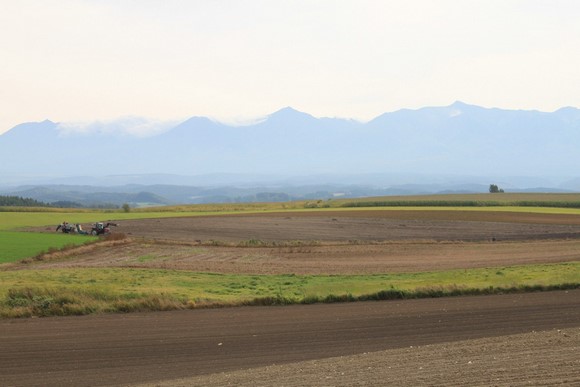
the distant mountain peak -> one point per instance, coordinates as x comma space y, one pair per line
197, 120
568, 110
288, 112
462, 105
35, 129
288, 116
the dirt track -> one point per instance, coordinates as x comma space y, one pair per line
138, 348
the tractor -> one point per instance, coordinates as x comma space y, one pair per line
101, 228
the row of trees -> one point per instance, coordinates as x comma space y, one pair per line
17, 201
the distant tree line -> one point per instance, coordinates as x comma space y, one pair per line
17, 201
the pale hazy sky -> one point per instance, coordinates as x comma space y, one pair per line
82, 60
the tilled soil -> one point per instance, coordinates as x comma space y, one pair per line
361, 225
336, 242
547, 358
156, 347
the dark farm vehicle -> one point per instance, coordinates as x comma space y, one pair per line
101, 228
67, 228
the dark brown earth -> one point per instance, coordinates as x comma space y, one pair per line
360, 225
151, 347
546, 358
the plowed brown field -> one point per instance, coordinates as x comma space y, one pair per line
378, 225
340, 242
156, 347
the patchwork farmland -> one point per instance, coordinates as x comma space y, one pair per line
303, 257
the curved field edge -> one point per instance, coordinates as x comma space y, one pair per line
17, 220
26, 293
17, 246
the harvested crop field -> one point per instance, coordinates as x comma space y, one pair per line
335, 242
396, 257
366, 225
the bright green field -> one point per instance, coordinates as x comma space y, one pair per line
19, 245
127, 289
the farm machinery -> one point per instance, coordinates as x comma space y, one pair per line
69, 228
101, 228
98, 228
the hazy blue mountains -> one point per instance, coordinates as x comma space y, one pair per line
456, 139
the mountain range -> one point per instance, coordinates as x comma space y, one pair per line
455, 140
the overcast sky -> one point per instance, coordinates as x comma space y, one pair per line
82, 60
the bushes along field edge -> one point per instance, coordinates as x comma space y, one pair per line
43, 302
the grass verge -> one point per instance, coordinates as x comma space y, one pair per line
84, 291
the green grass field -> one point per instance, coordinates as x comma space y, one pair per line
20, 245
64, 291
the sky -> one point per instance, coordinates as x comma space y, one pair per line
234, 61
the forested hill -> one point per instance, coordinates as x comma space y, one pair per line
17, 201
